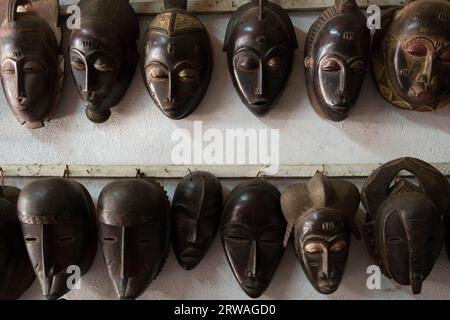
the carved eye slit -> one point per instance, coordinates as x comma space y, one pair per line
32, 67
313, 248
275, 64
395, 240
416, 49
331, 65
237, 241
103, 67
358, 65
158, 74
445, 56
66, 239
8, 69
30, 239
109, 239
339, 247
188, 74
248, 64
78, 66
145, 241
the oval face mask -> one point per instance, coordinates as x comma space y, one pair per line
196, 212
59, 227
177, 62
336, 59
16, 273
320, 215
134, 220
32, 65
404, 229
252, 234
103, 54
411, 58
260, 44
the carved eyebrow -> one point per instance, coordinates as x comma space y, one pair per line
156, 63
252, 50
279, 47
236, 226
326, 238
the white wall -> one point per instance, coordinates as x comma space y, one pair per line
138, 133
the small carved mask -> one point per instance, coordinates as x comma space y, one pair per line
103, 54
134, 233
32, 66
16, 273
337, 56
196, 212
260, 44
252, 234
321, 216
59, 227
178, 61
411, 59
404, 229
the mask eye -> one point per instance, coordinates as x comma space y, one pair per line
445, 56
248, 64
331, 65
395, 240
188, 74
66, 239
236, 241
416, 49
157, 74
30, 239
8, 68
103, 67
78, 65
145, 242
109, 240
339, 247
32, 67
358, 65
313, 248
275, 64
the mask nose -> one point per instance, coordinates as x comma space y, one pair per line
170, 89
193, 233
422, 78
260, 81
325, 272
125, 256
47, 268
251, 273
20, 87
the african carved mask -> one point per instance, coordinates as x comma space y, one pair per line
178, 60
260, 44
404, 229
59, 227
32, 65
196, 212
252, 231
337, 56
320, 215
103, 54
134, 220
16, 273
411, 58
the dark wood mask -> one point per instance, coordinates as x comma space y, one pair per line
16, 272
321, 216
178, 60
103, 54
32, 66
59, 227
196, 213
252, 234
411, 57
404, 230
336, 59
260, 44
134, 220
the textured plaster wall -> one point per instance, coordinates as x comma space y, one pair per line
138, 133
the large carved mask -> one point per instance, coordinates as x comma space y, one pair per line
252, 234
103, 54
404, 230
59, 227
336, 59
196, 212
16, 273
320, 215
32, 65
134, 220
411, 58
260, 44
178, 61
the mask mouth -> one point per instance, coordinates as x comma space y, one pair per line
421, 94
260, 102
327, 286
22, 104
92, 98
342, 107
416, 282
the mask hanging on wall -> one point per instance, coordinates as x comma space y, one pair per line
260, 44
411, 58
32, 66
196, 212
252, 231
103, 54
178, 60
337, 56
16, 273
321, 216
59, 227
134, 220
404, 230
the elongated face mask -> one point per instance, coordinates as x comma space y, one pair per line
103, 54
178, 61
337, 55
321, 216
31, 61
411, 60
260, 44
16, 273
404, 230
134, 233
196, 212
58, 223
252, 234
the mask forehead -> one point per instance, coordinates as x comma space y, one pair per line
323, 223
97, 37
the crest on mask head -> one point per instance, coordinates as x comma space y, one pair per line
404, 229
